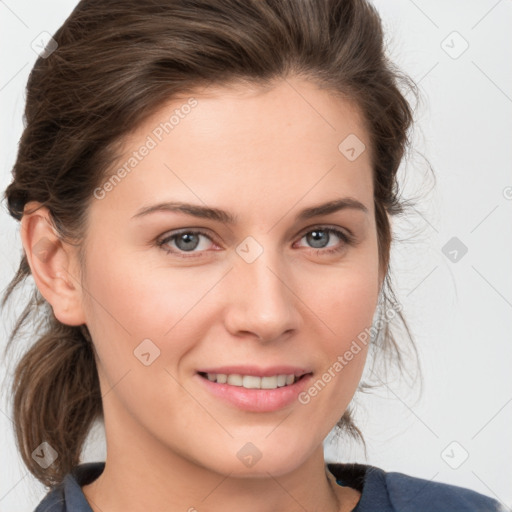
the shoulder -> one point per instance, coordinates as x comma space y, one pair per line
398, 492
412, 493
54, 501
68, 495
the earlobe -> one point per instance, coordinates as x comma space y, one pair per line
53, 264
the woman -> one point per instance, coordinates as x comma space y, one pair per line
204, 190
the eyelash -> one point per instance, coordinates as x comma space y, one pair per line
347, 239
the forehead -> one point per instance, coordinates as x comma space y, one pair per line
263, 144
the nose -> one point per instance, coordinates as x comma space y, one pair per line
262, 302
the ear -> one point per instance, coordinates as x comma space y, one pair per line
53, 263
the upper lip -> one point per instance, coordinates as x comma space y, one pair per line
257, 371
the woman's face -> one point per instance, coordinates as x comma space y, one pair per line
269, 292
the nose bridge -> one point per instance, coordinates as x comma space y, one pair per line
262, 301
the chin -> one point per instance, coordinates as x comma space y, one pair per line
253, 460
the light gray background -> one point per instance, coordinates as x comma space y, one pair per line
460, 312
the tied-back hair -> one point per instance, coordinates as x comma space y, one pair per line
116, 63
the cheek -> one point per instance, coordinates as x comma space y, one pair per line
346, 298
128, 304
351, 315
354, 299
345, 305
137, 299
345, 311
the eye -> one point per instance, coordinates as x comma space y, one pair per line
185, 241
320, 236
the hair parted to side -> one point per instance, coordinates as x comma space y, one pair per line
116, 63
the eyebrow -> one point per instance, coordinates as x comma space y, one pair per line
216, 214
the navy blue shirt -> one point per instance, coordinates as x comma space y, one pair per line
380, 491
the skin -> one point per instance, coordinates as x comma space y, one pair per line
263, 155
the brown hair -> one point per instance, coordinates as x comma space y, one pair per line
116, 63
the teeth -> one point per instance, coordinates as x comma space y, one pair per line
222, 378
251, 381
269, 382
235, 379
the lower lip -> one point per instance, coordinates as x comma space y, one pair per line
257, 400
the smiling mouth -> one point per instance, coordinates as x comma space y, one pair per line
253, 381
